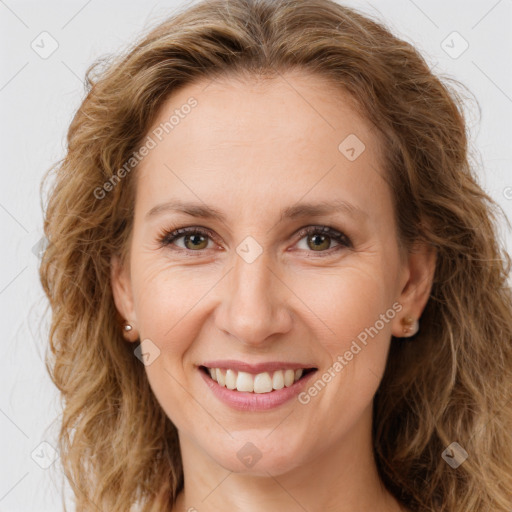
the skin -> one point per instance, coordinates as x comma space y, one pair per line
250, 149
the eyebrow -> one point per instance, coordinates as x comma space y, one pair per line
318, 209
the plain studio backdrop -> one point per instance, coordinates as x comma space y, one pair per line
45, 50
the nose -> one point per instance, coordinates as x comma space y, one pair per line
255, 303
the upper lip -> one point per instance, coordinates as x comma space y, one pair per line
255, 368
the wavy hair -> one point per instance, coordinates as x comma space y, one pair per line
452, 382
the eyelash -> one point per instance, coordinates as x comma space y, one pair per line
166, 238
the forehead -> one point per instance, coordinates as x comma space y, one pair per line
292, 133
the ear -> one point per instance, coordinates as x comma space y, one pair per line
123, 296
419, 270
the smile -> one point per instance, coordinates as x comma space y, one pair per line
264, 382
255, 386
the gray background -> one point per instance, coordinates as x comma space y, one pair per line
38, 97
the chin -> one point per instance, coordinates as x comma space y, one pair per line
258, 456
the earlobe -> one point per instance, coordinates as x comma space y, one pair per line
123, 298
421, 265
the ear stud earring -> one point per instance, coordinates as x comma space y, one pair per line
127, 327
410, 325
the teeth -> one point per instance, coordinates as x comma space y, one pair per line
244, 382
289, 377
221, 378
230, 379
261, 383
278, 380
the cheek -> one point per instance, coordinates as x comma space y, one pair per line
352, 340
165, 298
353, 332
170, 313
345, 302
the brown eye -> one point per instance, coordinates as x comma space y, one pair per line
320, 238
318, 242
194, 239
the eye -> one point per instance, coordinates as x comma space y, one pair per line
195, 239
319, 238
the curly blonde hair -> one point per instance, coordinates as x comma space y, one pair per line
452, 384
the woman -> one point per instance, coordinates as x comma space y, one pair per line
276, 283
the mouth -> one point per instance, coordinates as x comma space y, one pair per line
263, 382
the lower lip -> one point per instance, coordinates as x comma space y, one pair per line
244, 401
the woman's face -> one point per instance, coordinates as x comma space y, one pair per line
252, 288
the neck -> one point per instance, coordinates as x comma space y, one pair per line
343, 478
